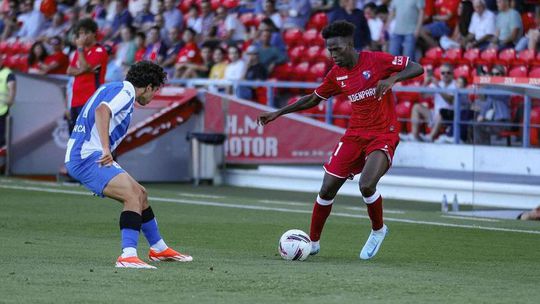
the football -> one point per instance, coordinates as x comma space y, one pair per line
294, 245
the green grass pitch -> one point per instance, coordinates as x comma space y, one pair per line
58, 245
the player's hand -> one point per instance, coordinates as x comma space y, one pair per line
106, 159
383, 86
79, 41
266, 117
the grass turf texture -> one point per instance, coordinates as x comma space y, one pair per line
61, 248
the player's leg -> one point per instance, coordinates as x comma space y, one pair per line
377, 163
159, 251
123, 188
322, 208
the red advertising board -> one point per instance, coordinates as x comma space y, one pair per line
289, 139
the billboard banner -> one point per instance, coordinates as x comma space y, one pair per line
291, 139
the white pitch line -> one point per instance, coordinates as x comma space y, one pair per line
385, 210
201, 195
282, 203
469, 218
251, 207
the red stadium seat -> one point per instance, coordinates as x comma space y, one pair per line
470, 56
318, 71
313, 53
313, 37
525, 57
507, 56
318, 21
300, 71
518, 71
403, 112
325, 56
528, 21
535, 132
453, 56
3, 47
297, 53
185, 5
22, 63
230, 3
248, 19
282, 71
432, 56
215, 4
293, 37
487, 57
463, 71
535, 72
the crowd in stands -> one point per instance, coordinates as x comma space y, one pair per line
280, 39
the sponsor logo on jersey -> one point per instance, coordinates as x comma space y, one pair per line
340, 78
343, 84
366, 74
398, 60
362, 95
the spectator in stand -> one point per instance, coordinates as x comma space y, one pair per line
175, 45
95, 9
255, 71
443, 23
270, 11
508, 26
205, 22
70, 36
268, 55
122, 18
156, 50
421, 112
199, 69
532, 39
57, 27
323, 5
494, 109
236, 68
466, 114
140, 44
172, 15
189, 54
159, 21
407, 17
88, 66
36, 58
8, 88
220, 64
482, 27
114, 71
276, 40
10, 22
192, 16
376, 26
57, 62
32, 21
296, 14
458, 38
235, 31
145, 18
126, 49
348, 11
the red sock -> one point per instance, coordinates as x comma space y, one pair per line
375, 210
318, 218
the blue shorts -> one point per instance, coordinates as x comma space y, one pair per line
437, 29
91, 174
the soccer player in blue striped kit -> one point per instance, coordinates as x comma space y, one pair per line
100, 127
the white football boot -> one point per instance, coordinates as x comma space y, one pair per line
373, 243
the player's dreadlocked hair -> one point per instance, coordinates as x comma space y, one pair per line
87, 24
145, 73
338, 29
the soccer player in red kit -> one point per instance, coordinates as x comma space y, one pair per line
372, 136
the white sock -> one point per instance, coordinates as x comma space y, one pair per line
129, 252
314, 243
159, 246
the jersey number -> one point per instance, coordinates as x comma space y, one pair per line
338, 147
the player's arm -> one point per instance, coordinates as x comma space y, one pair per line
304, 103
412, 70
103, 119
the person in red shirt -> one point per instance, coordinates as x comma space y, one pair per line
140, 43
443, 22
368, 145
57, 62
89, 65
189, 55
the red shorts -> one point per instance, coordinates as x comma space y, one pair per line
350, 154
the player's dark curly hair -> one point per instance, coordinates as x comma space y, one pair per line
86, 24
145, 73
338, 29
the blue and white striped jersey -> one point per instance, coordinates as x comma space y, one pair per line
119, 97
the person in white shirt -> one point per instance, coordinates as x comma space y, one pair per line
482, 27
236, 68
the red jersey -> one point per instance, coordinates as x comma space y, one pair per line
86, 84
61, 59
359, 85
448, 7
189, 53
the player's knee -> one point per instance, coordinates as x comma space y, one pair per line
367, 189
327, 193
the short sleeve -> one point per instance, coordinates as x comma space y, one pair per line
390, 63
96, 57
123, 100
328, 87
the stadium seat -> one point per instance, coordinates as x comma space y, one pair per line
300, 71
518, 71
463, 71
318, 71
470, 56
215, 4
313, 54
403, 112
313, 37
525, 57
248, 19
535, 131
432, 56
297, 53
230, 3
293, 37
535, 72
487, 57
453, 56
507, 57
318, 21
185, 5
527, 19
3, 47
282, 71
